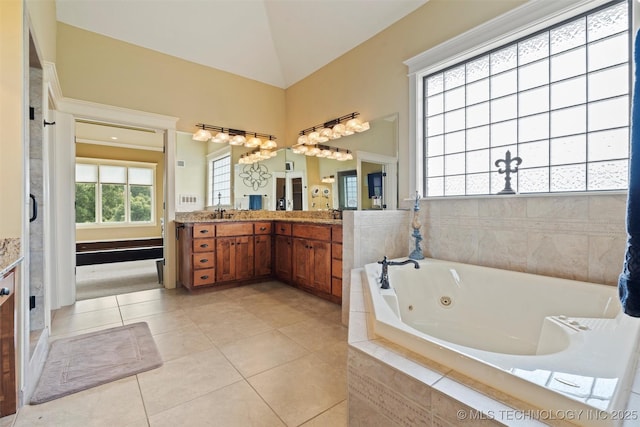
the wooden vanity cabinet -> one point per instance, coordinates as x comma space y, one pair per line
312, 257
283, 251
262, 248
336, 261
196, 252
8, 390
234, 251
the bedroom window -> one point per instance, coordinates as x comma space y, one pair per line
114, 192
558, 98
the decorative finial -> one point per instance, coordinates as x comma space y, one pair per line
507, 171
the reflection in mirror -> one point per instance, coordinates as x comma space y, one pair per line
292, 181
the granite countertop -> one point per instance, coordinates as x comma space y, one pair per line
318, 217
9, 254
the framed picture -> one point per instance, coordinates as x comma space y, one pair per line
288, 166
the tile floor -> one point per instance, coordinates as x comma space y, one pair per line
258, 355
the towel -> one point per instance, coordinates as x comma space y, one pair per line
629, 281
255, 202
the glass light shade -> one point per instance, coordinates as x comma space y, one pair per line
339, 129
333, 155
325, 134
297, 149
363, 127
313, 138
238, 140
303, 139
335, 135
253, 142
222, 137
348, 156
202, 135
353, 125
274, 153
302, 149
242, 160
268, 144
313, 151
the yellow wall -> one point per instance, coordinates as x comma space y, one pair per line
100, 69
116, 153
372, 78
12, 108
42, 15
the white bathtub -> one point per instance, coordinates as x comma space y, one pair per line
559, 345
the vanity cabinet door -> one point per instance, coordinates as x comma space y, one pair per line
320, 265
263, 255
283, 258
234, 258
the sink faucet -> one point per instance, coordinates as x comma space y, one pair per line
384, 277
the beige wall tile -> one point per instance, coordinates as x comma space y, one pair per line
503, 249
606, 257
558, 255
574, 207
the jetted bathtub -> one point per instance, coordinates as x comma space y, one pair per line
559, 345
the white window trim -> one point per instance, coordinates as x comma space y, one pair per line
217, 155
529, 18
125, 224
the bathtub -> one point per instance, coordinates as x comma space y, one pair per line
558, 345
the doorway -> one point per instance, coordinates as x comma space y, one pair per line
119, 188
289, 190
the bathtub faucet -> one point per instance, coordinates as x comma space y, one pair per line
384, 278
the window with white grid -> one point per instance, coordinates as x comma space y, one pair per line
220, 181
558, 99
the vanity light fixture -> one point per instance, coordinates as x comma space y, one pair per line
256, 155
329, 179
333, 129
324, 151
236, 137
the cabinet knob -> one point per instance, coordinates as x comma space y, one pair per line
5, 291
203, 260
204, 245
205, 277
205, 231
263, 228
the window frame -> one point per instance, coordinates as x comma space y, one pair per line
98, 191
211, 158
531, 18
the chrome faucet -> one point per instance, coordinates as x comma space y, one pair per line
384, 277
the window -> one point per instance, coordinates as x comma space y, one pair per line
558, 99
220, 181
113, 192
348, 190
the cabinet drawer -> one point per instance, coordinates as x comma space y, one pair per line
309, 231
336, 268
203, 230
263, 228
336, 233
283, 228
203, 260
237, 229
203, 245
204, 277
336, 251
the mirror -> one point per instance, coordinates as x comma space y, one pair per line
291, 181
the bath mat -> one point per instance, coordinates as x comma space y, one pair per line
81, 362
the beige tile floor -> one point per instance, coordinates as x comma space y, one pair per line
258, 355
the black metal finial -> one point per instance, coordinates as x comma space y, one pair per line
507, 171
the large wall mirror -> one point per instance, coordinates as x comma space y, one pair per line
292, 181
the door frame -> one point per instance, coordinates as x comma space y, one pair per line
389, 181
67, 111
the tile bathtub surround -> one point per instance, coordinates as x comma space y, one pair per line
579, 237
391, 386
229, 359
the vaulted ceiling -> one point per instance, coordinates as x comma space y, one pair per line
277, 42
